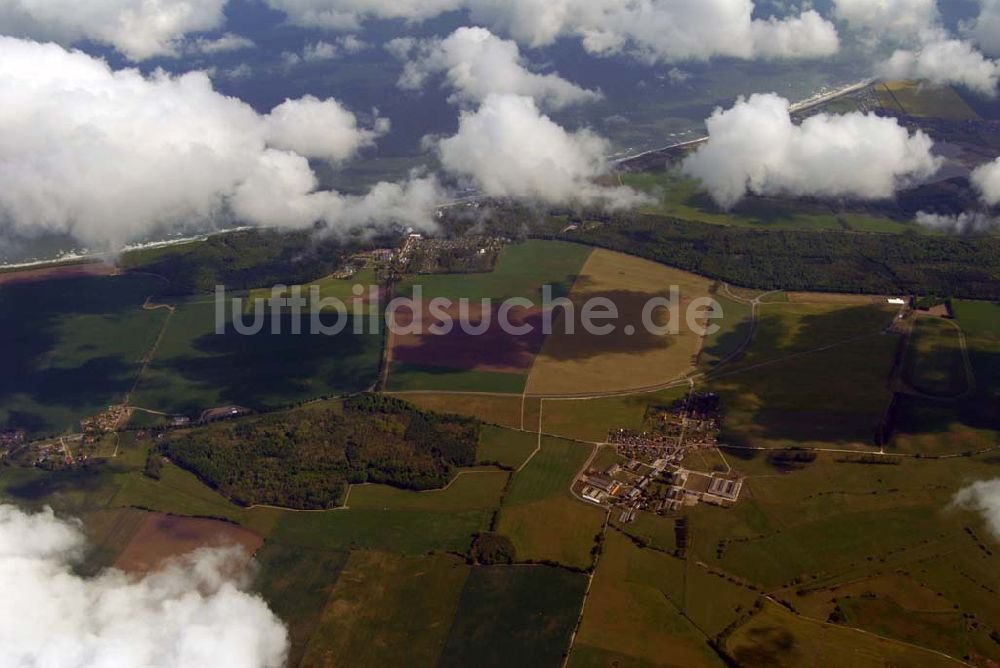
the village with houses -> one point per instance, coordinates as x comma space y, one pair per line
653, 476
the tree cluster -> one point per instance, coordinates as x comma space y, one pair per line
491, 548
305, 458
830, 261
962, 266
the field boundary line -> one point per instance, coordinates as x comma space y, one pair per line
452, 481
538, 445
586, 592
151, 353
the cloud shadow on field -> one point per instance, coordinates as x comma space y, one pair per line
783, 388
55, 350
265, 370
582, 345
494, 349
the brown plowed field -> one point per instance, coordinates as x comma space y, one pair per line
162, 537
58, 271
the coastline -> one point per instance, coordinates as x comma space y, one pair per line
104, 256
74, 257
802, 105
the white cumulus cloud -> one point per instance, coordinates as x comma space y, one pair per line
476, 63
654, 30
111, 156
984, 497
139, 29
755, 147
925, 50
224, 44
986, 179
325, 50
897, 20
985, 29
945, 61
509, 149
350, 14
321, 129
967, 222
662, 30
193, 612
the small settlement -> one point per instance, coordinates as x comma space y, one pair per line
653, 477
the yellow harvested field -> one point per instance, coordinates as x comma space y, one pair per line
592, 363
925, 100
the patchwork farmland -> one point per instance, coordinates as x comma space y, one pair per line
825, 519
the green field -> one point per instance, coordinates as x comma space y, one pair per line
145, 420
549, 473
631, 618
406, 527
108, 532
514, 616
837, 396
194, 368
834, 521
896, 606
785, 329
933, 426
683, 198
505, 446
389, 610
821, 536
734, 332
710, 601
469, 490
400, 531
943, 630
539, 515
71, 491
71, 347
296, 583
813, 374
777, 637
521, 271
981, 323
979, 320
591, 420
654, 531
331, 288
181, 493
935, 363
413, 377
